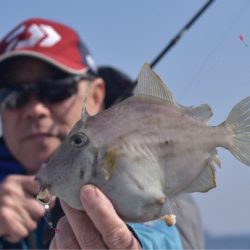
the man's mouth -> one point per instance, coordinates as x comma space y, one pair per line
39, 136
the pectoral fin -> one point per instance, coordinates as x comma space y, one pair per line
109, 163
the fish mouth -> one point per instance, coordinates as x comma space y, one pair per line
45, 196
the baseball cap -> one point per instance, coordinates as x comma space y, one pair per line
52, 42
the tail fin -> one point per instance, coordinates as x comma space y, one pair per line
239, 121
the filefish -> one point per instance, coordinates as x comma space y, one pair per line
145, 150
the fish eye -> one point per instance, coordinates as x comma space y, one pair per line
78, 139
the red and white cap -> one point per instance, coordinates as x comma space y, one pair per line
49, 41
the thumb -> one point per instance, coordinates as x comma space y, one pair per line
114, 231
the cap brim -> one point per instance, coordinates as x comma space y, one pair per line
44, 58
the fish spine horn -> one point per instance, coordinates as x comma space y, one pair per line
239, 121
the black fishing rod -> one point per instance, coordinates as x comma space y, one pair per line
172, 42
178, 36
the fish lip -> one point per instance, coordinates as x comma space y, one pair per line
45, 195
42, 184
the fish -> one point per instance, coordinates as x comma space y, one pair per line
145, 150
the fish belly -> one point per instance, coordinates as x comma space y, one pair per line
135, 188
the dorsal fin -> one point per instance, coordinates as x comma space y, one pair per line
150, 84
201, 113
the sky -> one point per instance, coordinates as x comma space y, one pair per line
210, 64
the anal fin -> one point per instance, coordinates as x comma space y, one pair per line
204, 182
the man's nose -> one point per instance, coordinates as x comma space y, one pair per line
35, 108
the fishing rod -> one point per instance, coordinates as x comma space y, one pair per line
178, 36
172, 42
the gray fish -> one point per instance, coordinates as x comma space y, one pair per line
145, 150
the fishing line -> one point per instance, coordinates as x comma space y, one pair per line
49, 223
194, 80
44, 198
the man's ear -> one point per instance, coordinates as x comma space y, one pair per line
96, 95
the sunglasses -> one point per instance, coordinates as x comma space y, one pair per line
48, 91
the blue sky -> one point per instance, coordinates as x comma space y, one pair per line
209, 65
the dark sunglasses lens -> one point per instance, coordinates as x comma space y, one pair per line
48, 91
12, 99
53, 92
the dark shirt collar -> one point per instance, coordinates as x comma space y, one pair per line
8, 164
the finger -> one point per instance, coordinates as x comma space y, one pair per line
65, 239
19, 185
28, 222
9, 221
25, 210
100, 210
16, 232
23, 216
34, 208
30, 185
84, 230
16, 213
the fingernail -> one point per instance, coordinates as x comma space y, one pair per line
88, 193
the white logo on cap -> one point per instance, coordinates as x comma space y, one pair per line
40, 35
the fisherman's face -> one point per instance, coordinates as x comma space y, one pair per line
36, 129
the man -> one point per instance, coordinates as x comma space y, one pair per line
45, 71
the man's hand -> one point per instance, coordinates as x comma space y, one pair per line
99, 227
19, 211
